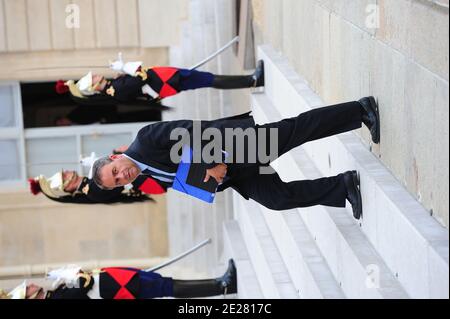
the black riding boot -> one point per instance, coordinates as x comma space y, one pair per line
240, 81
227, 284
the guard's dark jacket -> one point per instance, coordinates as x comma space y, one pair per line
89, 193
114, 283
163, 80
117, 283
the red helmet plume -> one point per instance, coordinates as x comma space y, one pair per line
61, 87
35, 188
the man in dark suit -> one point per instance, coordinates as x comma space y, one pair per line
152, 152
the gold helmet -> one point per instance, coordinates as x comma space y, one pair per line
4, 295
83, 88
20, 292
53, 187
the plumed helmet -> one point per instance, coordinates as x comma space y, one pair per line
81, 89
4, 295
85, 85
61, 87
53, 187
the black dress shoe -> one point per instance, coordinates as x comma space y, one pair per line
352, 184
258, 76
371, 117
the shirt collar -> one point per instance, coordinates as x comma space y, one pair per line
141, 166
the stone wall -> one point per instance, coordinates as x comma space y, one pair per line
45, 40
41, 25
396, 50
36, 230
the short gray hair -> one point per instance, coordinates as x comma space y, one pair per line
96, 169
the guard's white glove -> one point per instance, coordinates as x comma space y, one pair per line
118, 64
67, 275
88, 161
129, 68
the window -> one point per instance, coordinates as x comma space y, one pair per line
43, 107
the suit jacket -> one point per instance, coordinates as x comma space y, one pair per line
153, 145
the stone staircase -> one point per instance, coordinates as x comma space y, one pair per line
396, 251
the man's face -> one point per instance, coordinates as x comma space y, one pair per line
98, 82
35, 292
120, 172
72, 180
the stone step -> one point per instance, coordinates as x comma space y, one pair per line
414, 245
248, 285
269, 266
308, 269
346, 249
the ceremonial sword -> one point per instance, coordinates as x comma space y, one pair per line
181, 256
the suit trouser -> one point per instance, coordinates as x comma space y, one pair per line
270, 190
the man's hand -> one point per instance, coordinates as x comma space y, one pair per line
218, 173
120, 150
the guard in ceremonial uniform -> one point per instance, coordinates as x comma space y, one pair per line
137, 83
125, 283
69, 187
